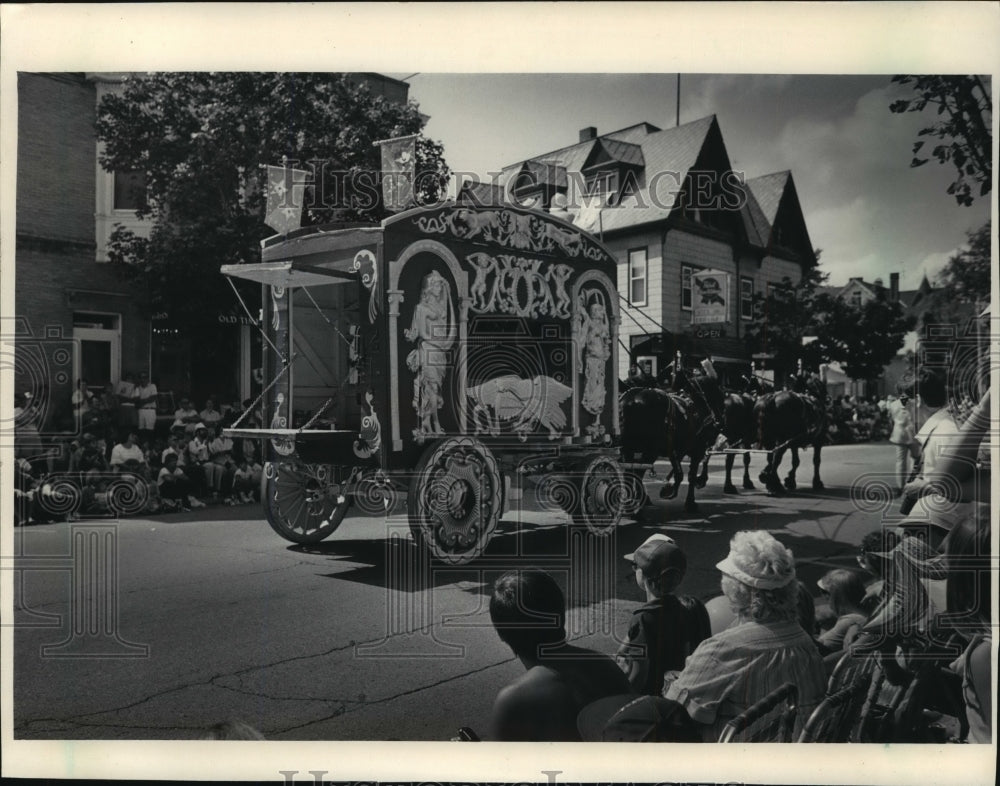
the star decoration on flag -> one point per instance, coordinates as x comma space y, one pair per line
279, 189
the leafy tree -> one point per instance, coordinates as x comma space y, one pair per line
201, 140
964, 283
966, 276
965, 111
869, 336
863, 339
786, 314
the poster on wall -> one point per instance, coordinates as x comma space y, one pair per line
709, 297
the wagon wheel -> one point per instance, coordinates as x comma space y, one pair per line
303, 503
635, 497
602, 495
455, 500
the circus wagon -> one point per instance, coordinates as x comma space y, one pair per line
448, 354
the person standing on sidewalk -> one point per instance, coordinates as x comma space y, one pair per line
902, 437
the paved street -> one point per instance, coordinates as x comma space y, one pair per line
352, 639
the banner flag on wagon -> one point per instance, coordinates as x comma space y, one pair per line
709, 297
285, 196
589, 218
399, 160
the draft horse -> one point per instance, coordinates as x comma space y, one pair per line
791, 419
672, 424
738, 430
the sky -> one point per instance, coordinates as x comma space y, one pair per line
869, 212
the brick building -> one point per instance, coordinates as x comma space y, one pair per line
73, 316
672, 207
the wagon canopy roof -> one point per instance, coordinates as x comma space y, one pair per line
320, 256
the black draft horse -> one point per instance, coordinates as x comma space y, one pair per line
792, 419
657, 423
739, 427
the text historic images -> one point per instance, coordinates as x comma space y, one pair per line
521, 231
509, 284
434, 330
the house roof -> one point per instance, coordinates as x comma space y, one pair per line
617, 150
768, 190
672, 151
482, 194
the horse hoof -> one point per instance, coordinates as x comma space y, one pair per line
764, 478
729, 488
668, 492
701, 483
818, 485
790, 484
749, 486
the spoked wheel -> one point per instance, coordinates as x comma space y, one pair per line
455, 500
303, 502
602, 496
635, 497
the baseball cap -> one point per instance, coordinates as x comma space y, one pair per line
627, 718
658, 554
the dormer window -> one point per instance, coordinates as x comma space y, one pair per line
537, 182
603, 184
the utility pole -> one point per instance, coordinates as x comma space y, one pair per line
677, 121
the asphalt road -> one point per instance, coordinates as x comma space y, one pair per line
210, 615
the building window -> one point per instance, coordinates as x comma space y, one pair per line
686, 272
856, 298
603, 184
637, 274
130, 190
746, 297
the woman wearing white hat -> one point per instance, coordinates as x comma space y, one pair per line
764, 649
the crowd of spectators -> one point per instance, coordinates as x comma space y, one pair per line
123, 455
688, 669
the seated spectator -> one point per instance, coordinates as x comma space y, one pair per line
233, 413
185, 416
528, 611
845, 592
174, 485
220, 451
88, 456
968, 558
246, 483
210, 416
198, 463
659, 634
870, 557
900, 627
765, 648
173, 446
128, 456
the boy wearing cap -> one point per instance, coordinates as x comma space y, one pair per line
658, 637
